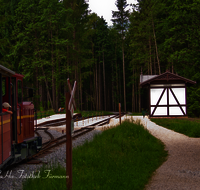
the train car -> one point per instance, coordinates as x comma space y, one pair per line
17, 140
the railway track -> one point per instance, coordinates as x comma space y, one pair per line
62, 121
61, 140
48, 133
55, 142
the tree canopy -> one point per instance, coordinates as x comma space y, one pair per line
50, 41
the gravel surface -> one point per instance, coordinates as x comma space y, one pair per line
181, 171
12, 179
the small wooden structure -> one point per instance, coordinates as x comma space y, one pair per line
167, 94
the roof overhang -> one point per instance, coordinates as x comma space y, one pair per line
6, 72
166, 77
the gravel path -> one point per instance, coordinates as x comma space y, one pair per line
181, 171
182, 168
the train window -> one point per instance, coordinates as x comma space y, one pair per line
19, 91
3, 86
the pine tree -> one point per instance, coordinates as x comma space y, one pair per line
120, 20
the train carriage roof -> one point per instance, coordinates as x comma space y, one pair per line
6, 72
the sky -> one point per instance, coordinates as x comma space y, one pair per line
105, 7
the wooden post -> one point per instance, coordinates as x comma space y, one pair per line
120, 113
68, 144
1, 98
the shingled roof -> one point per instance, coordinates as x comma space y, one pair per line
166, 77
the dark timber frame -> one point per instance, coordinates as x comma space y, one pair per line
166, 82
168, 89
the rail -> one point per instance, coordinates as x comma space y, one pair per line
62, 139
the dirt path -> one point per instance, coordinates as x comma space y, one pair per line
182, 168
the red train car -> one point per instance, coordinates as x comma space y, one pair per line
17, 140
5, 138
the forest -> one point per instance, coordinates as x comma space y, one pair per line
49, 41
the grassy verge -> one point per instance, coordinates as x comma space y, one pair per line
123, 157
136, 113
42, 114
48, 178
186, 126
93, 113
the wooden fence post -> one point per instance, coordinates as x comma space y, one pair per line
120, 113
68, 144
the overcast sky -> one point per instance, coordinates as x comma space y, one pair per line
105, 7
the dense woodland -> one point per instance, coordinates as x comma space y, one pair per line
49, 41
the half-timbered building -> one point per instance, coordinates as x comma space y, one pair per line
166, 94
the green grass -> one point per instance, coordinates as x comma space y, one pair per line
42, 114
187, 126
136, 113
123, 157
47, 178
93, 113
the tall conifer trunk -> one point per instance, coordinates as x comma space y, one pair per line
124, 77
104, 81
41, 92
81, 92
136, 97
36, 84
112, 88
97, 99
133, 94
45, 79
139, 97
150, 55
117, 81
46, 83
154, 62
99, 87
120, 20
172, 62
159, 71
53, 70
